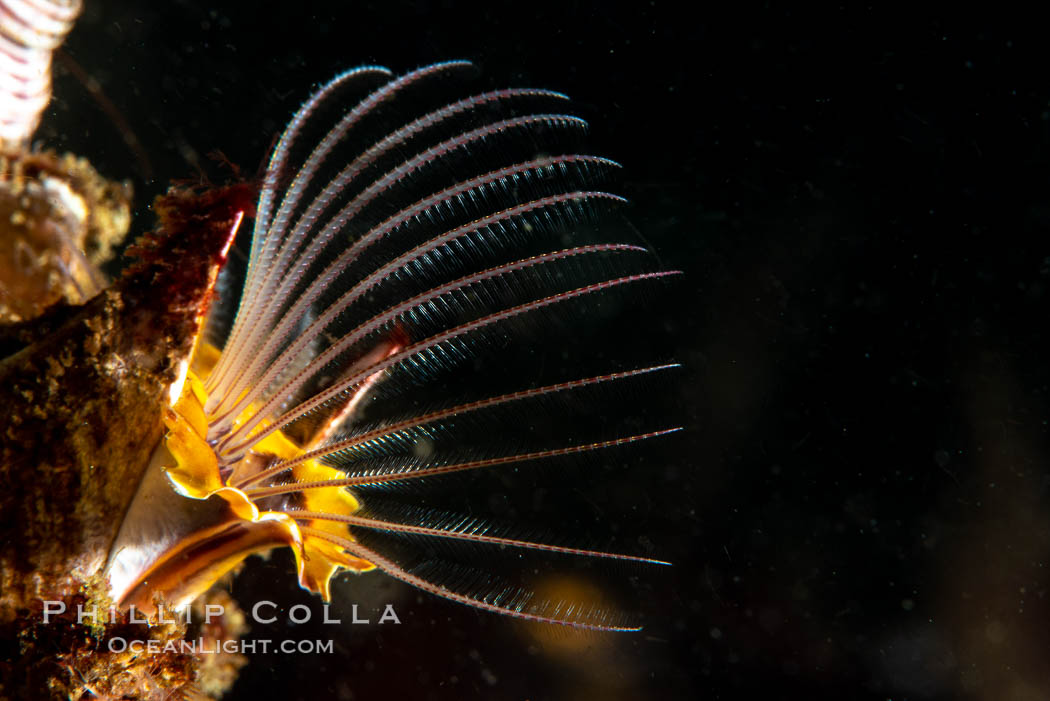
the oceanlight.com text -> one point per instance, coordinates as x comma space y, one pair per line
214, 647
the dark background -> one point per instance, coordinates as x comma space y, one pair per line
858, 508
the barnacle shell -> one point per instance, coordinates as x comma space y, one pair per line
85, 401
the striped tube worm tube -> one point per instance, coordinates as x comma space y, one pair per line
30, 30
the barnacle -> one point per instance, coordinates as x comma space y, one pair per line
381, 257
405, 247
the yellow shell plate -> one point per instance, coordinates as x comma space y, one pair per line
195, 474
